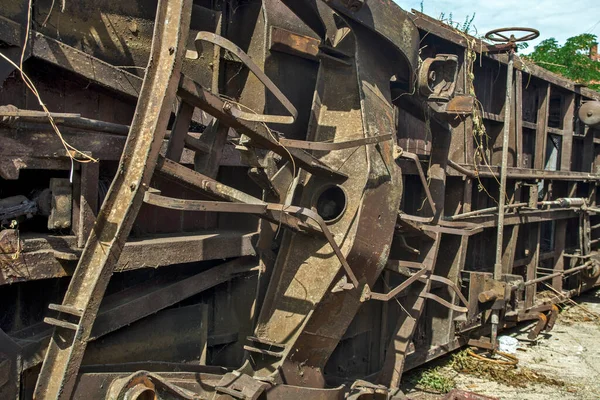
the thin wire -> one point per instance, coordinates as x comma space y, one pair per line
49, 14
593, 27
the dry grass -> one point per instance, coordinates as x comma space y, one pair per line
507, 375
571, 315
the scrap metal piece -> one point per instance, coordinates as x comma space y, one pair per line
552, 318
232, 107
67, 346
289, 42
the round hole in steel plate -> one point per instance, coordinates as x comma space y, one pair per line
331, 203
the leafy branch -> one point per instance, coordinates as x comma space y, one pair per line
571, 60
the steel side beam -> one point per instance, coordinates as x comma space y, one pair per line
67, 346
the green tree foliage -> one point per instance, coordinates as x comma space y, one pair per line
570, 60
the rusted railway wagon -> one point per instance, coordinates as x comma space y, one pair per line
276, 199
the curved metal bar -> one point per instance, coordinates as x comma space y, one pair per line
415, 158
247, 61
452, 286
445, 303
396, 291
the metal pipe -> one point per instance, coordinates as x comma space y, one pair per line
556, 274
563, 202
577, 255
536, 174
483, 211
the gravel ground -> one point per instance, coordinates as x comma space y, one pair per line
569, 353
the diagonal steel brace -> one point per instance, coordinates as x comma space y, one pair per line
81, 303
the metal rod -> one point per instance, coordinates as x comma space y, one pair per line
504, 166
522, 173
563, 203
483, 211
563, 273
415, 159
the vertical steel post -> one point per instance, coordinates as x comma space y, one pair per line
502, 200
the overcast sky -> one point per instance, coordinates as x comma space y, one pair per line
560, 19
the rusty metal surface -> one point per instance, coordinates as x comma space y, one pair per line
59, 371
589, 113
320, 196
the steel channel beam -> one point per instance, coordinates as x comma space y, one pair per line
66, 349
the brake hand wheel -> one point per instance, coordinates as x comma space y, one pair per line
500, 35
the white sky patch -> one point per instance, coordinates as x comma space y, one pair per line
558, 19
